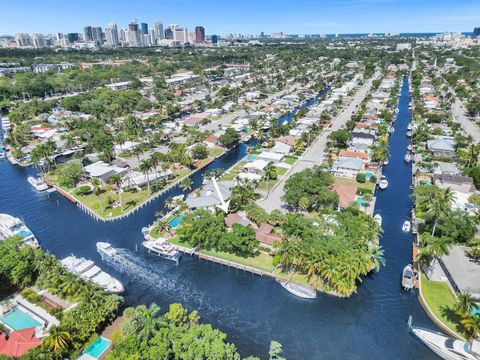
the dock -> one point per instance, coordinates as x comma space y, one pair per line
232, 264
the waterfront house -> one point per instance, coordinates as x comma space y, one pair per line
444, 168
281, 148
124, 85
256, 167
441, 147
289, 140
346, 194
264, 234
455, 182
361, 137
354, 155
347, 167
103, 171
270, 156
18, 342
209, 198
236, 218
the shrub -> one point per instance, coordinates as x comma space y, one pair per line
373, 179
84, 190
361, 178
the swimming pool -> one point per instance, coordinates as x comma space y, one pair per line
361, 202
18, 320
176, 221
252, 157
98, 347
368, 175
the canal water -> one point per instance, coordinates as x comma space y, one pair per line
252, 310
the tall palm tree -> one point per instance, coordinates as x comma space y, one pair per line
186, 184
145, 167
143, 321
465, 304
58, 339
439, 206
471, 155
117, 180
270, 173
471, 324
97, 191
377, 257
437, 247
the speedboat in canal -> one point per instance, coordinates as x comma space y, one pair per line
391, 130
88, 271
37, 183
378, 219
409, 134
106, 249
162, 248
410, 147
383, 184
299, 290
446, 347
12, 226
409, 127
406, 226
385, 162
407, 157
408, 278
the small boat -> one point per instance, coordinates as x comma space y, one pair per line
299, 290
406, 226
410, 147
383, 184
378, 219
409, 127
391, 130
446, 347
87, 270
162, 248
408, 278
12, 226
385, 162
38, 183
106, 249
409, 134
407, 157
3, 153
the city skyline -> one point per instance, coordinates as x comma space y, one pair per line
288, 16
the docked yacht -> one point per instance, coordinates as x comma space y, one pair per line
88, 271
409, 127
385, 162
446, 347
391, 130
12, 226
378, 219
6, 124
162, 248
106, 249
407, 157
409, 134
410, 147
406, 226
3, 153
299, 290
408, 278
383, 184
38, 183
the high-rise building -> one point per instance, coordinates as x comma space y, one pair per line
38, 40
133, 34
23, 40
97, 35
168, 34
476, 32
87, 33
111, 35
73, 37
214, 39
158, 31
179, 34
199, 34
144, 28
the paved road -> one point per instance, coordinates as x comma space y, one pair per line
468, 125
315, 153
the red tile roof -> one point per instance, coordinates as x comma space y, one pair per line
265, 236
19, 342
232, 219
353, 154
346, 194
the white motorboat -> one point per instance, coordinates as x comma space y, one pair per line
378, 219
408, 278
407, 157
409, 134
391, 130
383, 184
162, 248
409, 127
410, 147
3, 153
446, 347
406, 226
385, 162
12, 226
299, 290
38, 183
88, 271
6, 123
106, 249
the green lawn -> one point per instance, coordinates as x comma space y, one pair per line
289, 159
441, 301
233, 171
345, 181
261, 261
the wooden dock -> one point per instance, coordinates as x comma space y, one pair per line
232, 264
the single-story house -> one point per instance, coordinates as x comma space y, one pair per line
281, 148
441, 147
265, 236
444, 168
256, 166
125, 147
103, 171
346, 194
455, 182
249, 176
354, 154
360, 137
136, 178
209, 197
347, 167
236, 218
289, 140
270, 156
18, 342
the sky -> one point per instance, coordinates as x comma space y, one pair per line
245, 16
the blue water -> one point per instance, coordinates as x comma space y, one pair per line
252, 310
288, 117
18, 320
176, 221
98, 347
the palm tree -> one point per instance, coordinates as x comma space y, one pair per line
145, 167
437, 247
471, 156
471, 325
186, 184
377, 257
465, 304
270, 173
439, 206
117, 180
58, 339
97, 191
143, 321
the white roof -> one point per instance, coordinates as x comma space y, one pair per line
270, 156
249, 176
256, 164
281, 148
100, 168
